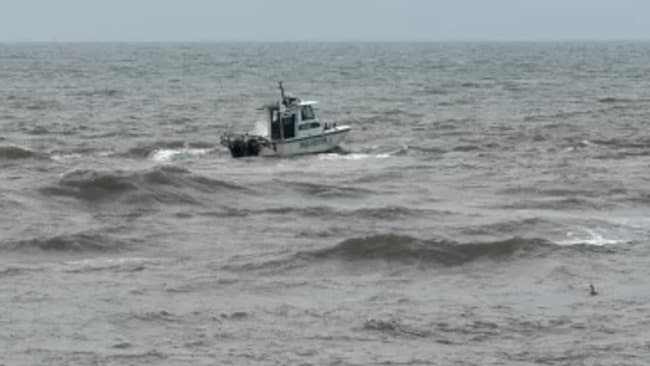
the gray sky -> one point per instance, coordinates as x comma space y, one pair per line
322, 20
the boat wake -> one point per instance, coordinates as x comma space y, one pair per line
165, 156
353, 156
161, 149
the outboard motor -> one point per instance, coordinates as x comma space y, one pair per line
253, 147
238, 149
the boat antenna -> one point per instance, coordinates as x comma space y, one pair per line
281, 90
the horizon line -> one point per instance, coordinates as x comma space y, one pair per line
251, 41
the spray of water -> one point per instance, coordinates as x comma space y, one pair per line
260, 129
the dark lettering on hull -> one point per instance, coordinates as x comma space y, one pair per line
313, 142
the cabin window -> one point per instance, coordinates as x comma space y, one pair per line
307, 113
307, 126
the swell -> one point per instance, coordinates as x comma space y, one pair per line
35, 105
78, 242
11, 152
17, 271
327, 190
615, 106
586, 196
514, 227
98, 93
164, 184
612, 100
551, 191
408, 250
402, 248
559, 204
388, 213
642, 142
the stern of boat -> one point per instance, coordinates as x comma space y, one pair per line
242, 145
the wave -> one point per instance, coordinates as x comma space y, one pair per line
17, 271
621, 148
408, 250
611, 105
164, 184
466, 148
427, 150
98, 93
129, 264
510, 227
557, 198
393, 247
38, 105
609, 100
317, 212
37, 130
624, 143
79, 242
394, 327
327, 190
470, 85
559, 204
591, 238
393, 212
17, 153
431, 90
387, 213
564, 115
554, 191
162, 316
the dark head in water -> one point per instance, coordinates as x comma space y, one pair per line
592, 290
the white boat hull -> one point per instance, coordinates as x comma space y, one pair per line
327, 141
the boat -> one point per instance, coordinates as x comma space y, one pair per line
294, 129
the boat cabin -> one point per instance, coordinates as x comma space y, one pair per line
293, 118
294, 121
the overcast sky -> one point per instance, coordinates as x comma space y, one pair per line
322, 20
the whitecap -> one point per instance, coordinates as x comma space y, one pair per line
261, 129
354, 156
173, 155
64, 157
589, 237
127, 264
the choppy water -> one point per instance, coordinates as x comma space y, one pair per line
484, 186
